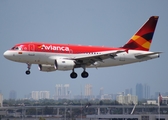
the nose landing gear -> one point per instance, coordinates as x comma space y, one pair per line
28, 71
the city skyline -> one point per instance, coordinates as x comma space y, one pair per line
98, 23
63, 91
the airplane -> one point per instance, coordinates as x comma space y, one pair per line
53, 57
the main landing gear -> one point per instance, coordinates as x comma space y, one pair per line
74, 75
84, 74
28, 71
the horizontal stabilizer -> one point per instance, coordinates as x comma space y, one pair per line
146, 55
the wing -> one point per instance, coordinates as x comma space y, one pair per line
92, 58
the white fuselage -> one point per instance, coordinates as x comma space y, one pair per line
48, 58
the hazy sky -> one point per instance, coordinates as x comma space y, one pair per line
86, 22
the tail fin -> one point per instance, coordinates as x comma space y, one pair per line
143, 38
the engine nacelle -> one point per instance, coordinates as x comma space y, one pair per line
63, 64
46, 68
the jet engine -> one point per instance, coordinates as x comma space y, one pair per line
59, 64
63, 64
46, 68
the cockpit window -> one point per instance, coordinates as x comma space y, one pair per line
16, 48
12, 48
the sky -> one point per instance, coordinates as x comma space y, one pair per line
86, 22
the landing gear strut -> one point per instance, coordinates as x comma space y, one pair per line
28, 71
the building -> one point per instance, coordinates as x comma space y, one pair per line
101, 91
106, 97
44, 95
128, 91
146, 91
88, 90
36, 95
151, 102
127, 99
66, 91
62, 91
12, 95
163, 100
139, 91
143, 91
1, 100
58, 90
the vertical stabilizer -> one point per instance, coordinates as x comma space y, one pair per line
143, 38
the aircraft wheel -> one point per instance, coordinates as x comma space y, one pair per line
84, 74
73, 75
27, 72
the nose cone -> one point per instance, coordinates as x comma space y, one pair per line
7, 54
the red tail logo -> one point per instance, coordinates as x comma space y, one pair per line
143, 38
